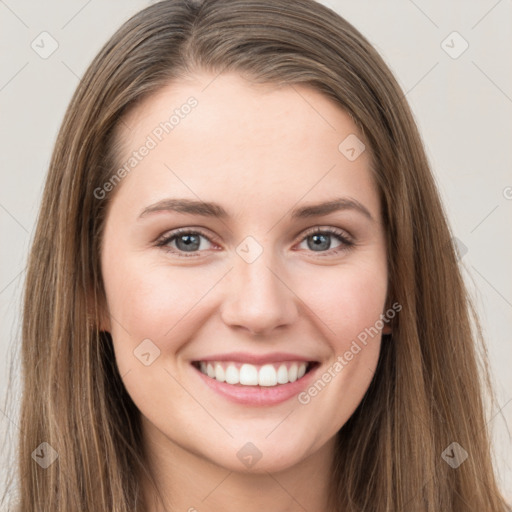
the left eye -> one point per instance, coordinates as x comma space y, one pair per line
189, 241
320, 239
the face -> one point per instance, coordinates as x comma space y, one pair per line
234, 306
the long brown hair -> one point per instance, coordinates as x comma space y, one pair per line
428, 389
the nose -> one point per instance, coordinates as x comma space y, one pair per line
258, 298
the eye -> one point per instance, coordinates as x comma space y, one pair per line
319, 240
185, 240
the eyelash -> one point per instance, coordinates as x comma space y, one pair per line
347, 244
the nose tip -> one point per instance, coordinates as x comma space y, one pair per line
258, 300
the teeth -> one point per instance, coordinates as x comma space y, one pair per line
232, 375
267, 375
220, 374
282, 374
245, 374
248, 375
292, 373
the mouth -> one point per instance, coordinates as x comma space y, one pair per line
267, 375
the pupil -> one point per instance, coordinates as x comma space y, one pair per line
191, 242
320, 241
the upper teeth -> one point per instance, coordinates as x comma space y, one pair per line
253, 375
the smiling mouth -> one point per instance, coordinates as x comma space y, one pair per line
245, 374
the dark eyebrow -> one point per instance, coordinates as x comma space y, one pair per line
341, 203
190, 206
206, 209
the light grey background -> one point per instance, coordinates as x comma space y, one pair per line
463, 107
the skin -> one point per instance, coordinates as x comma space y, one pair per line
259, 151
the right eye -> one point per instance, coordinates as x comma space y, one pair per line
185, 241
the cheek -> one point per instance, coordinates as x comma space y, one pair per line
152, 302
347, 299
350, 302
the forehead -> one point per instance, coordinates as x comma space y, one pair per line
229, 106
225, 136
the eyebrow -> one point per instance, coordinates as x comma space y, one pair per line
209, 209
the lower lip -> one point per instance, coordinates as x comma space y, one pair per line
258, 395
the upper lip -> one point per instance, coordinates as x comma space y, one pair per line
243, 357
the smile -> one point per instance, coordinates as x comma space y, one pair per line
245, 374
256, 380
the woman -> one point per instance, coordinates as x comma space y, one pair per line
242, 286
